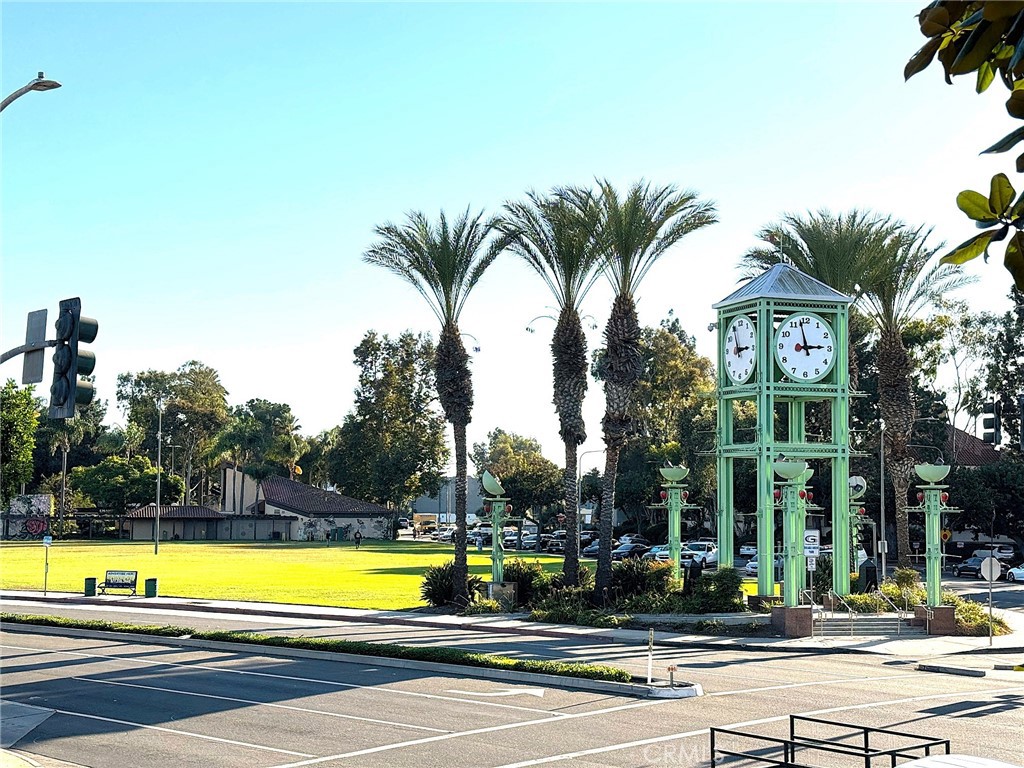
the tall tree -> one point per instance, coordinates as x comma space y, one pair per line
444, 263
557, 241
121, 484
315, 458
391, 447
634, 231
901, 287
530, 480
18, 417
1004, 378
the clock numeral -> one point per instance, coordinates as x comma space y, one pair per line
828, 348
785, 360
805, 374
793, 369
817, 371
784, 334
825, 335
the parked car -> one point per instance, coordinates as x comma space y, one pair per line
446, 535
998, 551
530, 542
403, 522
587, 538
972, 567
748, 550
704, 552
751, 567
556, 547
634, 538
629, 551
654, 551
1016, 574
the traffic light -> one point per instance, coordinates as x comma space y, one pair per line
991, 422
70, 362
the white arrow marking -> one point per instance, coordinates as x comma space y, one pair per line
538, 692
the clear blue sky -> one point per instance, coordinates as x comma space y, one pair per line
210, 174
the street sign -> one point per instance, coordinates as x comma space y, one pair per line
812, 564
946, 534
812, 542
47, 541
990, 568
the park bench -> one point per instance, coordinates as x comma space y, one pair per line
119, 580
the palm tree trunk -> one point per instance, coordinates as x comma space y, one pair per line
896, 402
571, 566
461, 570
604, 551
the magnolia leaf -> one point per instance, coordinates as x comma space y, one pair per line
1001, 10
1015, 104
975, 205
1013, 260
1018, 207
978, 46
1001, 194
1009, 141
986, 74
970, 249
1000, 235
1020, 163
934, 21
922, 58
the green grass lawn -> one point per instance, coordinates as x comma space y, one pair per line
380, 574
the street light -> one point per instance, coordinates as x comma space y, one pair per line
40, 83
881, 490
159, 471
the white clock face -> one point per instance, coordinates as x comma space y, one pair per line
740, 349
805, 347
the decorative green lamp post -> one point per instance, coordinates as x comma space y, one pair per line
933, 498
793, 495
674, 496
499, 508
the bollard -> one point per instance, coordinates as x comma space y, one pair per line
150, 587
672, 675
90, 587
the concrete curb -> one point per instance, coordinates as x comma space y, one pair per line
947, 670
636, 690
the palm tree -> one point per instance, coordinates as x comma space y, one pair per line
899, 290
839, 250
634, 232
66, 433
556, 240
443, 263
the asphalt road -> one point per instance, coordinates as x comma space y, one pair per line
123, 704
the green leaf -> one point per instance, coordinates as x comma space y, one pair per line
933, 21
975, 205
1000, 198
1018, 207
1015, 104
1009, 141
1001, 10
1020, 163
922, 58
1013, 259
978, 46
986, 74
970, 249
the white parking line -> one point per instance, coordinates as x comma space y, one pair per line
179, 733
705, 731
839, 681
475, 731
397, 691
260, 704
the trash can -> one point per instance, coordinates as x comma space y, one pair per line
90, 587
150, 587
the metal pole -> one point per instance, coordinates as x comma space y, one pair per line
881, 491
159, 472
63, 483
46, 569
992, 550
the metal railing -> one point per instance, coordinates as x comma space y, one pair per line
899, 613
914, 746
809, 594
833, 597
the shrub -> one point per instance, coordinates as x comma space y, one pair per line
904, 597
484, 605
438, 587
571, 605
719, 592
864, 604
906, 578
972, 617
637, 576
823, 575
530, 579
709, 626
585, 579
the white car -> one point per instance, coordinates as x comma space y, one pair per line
751, 567
998, 551
1016, 574
748, 550
703, 552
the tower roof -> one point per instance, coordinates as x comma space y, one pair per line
784, 282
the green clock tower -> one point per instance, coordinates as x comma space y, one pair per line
782, 343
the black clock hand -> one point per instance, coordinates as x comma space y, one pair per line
803, 334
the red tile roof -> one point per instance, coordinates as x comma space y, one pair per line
314, 502
168, 512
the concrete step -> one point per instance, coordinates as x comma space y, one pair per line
866, 624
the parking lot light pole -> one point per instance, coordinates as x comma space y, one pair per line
159, 472
881, 491
41, 83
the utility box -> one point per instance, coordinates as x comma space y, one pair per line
90, 587
150, 587
505, 593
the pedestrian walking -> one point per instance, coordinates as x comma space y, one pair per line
357, 537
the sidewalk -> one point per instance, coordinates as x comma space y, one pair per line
919, 648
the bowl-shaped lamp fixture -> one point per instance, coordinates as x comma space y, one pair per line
674, 474
932, 473
789, 470
491, 484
